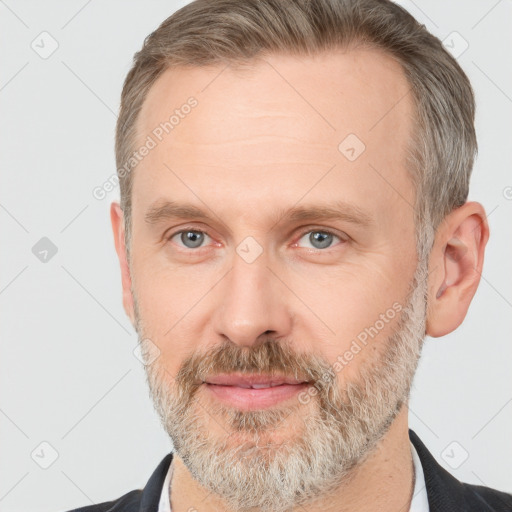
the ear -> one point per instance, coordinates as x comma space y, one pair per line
455, 267
117, 219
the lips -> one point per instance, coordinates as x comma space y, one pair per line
248, 392
255, 381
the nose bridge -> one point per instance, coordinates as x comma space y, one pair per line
250, 303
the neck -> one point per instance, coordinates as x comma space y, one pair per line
383, 482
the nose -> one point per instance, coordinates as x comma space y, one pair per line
253, 304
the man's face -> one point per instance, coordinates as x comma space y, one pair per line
264, 282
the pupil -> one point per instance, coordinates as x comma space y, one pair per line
320, 240
192, 239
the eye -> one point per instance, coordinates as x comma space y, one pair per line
319, 239
190, 238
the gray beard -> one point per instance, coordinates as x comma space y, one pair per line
262, 463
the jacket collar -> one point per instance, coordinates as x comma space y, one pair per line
444, 492
151, 493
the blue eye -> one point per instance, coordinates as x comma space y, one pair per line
191, 239
319, 239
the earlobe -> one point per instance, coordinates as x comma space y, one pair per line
456, 262
117, 219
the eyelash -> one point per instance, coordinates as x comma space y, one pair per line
343, 238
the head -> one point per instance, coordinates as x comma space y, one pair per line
246, 129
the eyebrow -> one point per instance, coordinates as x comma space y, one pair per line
338, 210
172, 210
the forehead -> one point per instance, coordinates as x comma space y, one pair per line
281, 123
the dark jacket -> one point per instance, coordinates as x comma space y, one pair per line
445, 493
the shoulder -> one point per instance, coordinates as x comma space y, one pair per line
487, 499
139, 499
447, 493
129, 502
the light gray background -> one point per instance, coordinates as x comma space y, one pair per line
68, 373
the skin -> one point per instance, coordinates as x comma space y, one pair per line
260, 142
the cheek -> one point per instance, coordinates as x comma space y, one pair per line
168, 304
166, 293
353, 296
355, 310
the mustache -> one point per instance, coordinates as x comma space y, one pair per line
270, 357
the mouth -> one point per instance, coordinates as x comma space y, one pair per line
249, 392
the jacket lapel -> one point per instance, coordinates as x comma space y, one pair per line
151, 493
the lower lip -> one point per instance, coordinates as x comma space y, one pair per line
250, 398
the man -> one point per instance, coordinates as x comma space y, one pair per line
293, 222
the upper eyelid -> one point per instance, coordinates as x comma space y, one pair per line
321, 230
169, 233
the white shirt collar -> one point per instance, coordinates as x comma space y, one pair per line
419, 501
164, 505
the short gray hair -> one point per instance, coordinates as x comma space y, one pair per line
443, 143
